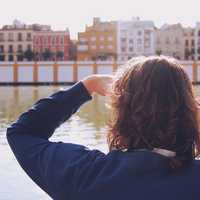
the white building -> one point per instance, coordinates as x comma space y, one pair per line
169, 41
135, 38
14, 40
197, 41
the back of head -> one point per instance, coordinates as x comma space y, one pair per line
154, 107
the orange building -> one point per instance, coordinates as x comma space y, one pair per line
98, 42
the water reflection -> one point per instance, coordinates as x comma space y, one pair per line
91, 118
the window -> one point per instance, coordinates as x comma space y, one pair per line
62, 40
131, 41
1, 48
19, 48
10, 58
53, 40
199, 33
29, 47
2, 58
10, 49
1, 37
186, 43
192, 42
28, 37
19, 37
10, 37
123, 49
123, 39
193, 51
139, 33
131, 49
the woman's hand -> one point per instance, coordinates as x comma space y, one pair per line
98, 83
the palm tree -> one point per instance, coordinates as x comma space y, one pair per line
47, 55
28, 54
59, 55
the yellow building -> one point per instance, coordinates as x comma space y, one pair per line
98, 42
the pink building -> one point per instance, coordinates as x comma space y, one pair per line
51, 45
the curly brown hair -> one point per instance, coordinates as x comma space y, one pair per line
154, 106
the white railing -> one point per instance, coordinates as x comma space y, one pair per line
68, 72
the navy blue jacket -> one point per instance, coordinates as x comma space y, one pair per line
69, 171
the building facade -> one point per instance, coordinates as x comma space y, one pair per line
51, 45
197, 41
189, 43
14, 41
170, 41
135, 38
20, 42
97, 42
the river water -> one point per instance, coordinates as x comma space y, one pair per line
87, 127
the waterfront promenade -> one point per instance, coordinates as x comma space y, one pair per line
32, 73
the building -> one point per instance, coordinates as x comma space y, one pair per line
170, 41
20, 42
51, 45
135, 38
73, 50
14, 41
189, 43
197, 41
98, 42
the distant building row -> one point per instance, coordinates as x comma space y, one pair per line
115, 40
122, 40
33, 42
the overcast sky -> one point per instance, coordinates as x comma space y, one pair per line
75, 14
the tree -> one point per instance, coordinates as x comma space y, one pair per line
20, 56
29, 55
47, 55
158, 52
59, 55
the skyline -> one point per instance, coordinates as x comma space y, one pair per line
76, 14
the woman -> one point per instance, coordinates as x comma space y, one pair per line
153, 137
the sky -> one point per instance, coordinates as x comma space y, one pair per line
75, 14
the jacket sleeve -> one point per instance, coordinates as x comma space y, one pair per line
52, 165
